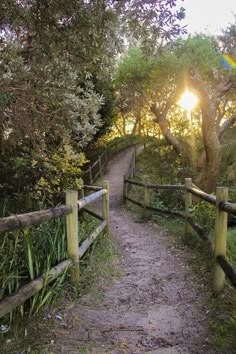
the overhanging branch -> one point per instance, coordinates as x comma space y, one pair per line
226, 125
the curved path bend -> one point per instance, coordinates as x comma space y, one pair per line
154, 306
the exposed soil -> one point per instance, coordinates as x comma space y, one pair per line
155, 306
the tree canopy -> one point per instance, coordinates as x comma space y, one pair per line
158, 83
57, 61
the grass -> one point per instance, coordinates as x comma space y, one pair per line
222, 308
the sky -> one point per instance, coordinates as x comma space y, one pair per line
208, 15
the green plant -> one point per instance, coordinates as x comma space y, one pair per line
204, 213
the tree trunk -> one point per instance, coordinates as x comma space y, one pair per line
164, 126
124, 126
211, 163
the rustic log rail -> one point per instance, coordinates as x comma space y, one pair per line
74, 251
37, 217
221, 203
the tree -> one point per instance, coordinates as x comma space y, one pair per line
203, 73
57, 58
194, 63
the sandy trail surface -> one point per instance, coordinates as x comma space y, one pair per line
153, 307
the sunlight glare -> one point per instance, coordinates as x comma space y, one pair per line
188, 101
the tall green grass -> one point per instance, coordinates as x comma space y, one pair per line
26, 254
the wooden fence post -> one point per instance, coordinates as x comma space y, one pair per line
125, 191
72, 234
146, 198
135, 158
132, 140
100, 166
106, 155
188, 205
105, 203
132, 166
82, 192
220, 237
90, 175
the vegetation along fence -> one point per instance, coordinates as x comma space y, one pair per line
74, 251
220, 201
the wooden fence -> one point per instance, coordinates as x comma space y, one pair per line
96, 169
223, 208
74, 251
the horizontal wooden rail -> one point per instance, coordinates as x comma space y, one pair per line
199, 230
211, 199
34, 218
91, 212
95, 163
87, 243
225, 206
135, 183
227, 268
92, 188
155, 186
229, 208
134, 201
175, 213
166, 186
91, 198
25, 292
169, 212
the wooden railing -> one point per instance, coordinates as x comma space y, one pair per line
223, 208
96, 169
74, 251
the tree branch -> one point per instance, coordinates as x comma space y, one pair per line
226, 125
160, 118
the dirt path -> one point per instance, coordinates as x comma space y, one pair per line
154, 306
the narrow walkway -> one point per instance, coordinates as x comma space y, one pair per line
154, 306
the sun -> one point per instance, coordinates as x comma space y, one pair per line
188, 100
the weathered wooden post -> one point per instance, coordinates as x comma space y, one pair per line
146, 198
125, 190
132, 166
90, 175
82, 192
106, 155
100, 166
72, 234
105, 203
135, 159
188, 205
220, 237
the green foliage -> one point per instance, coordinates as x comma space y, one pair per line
204, 213
231, 245
32, 176
158, 158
